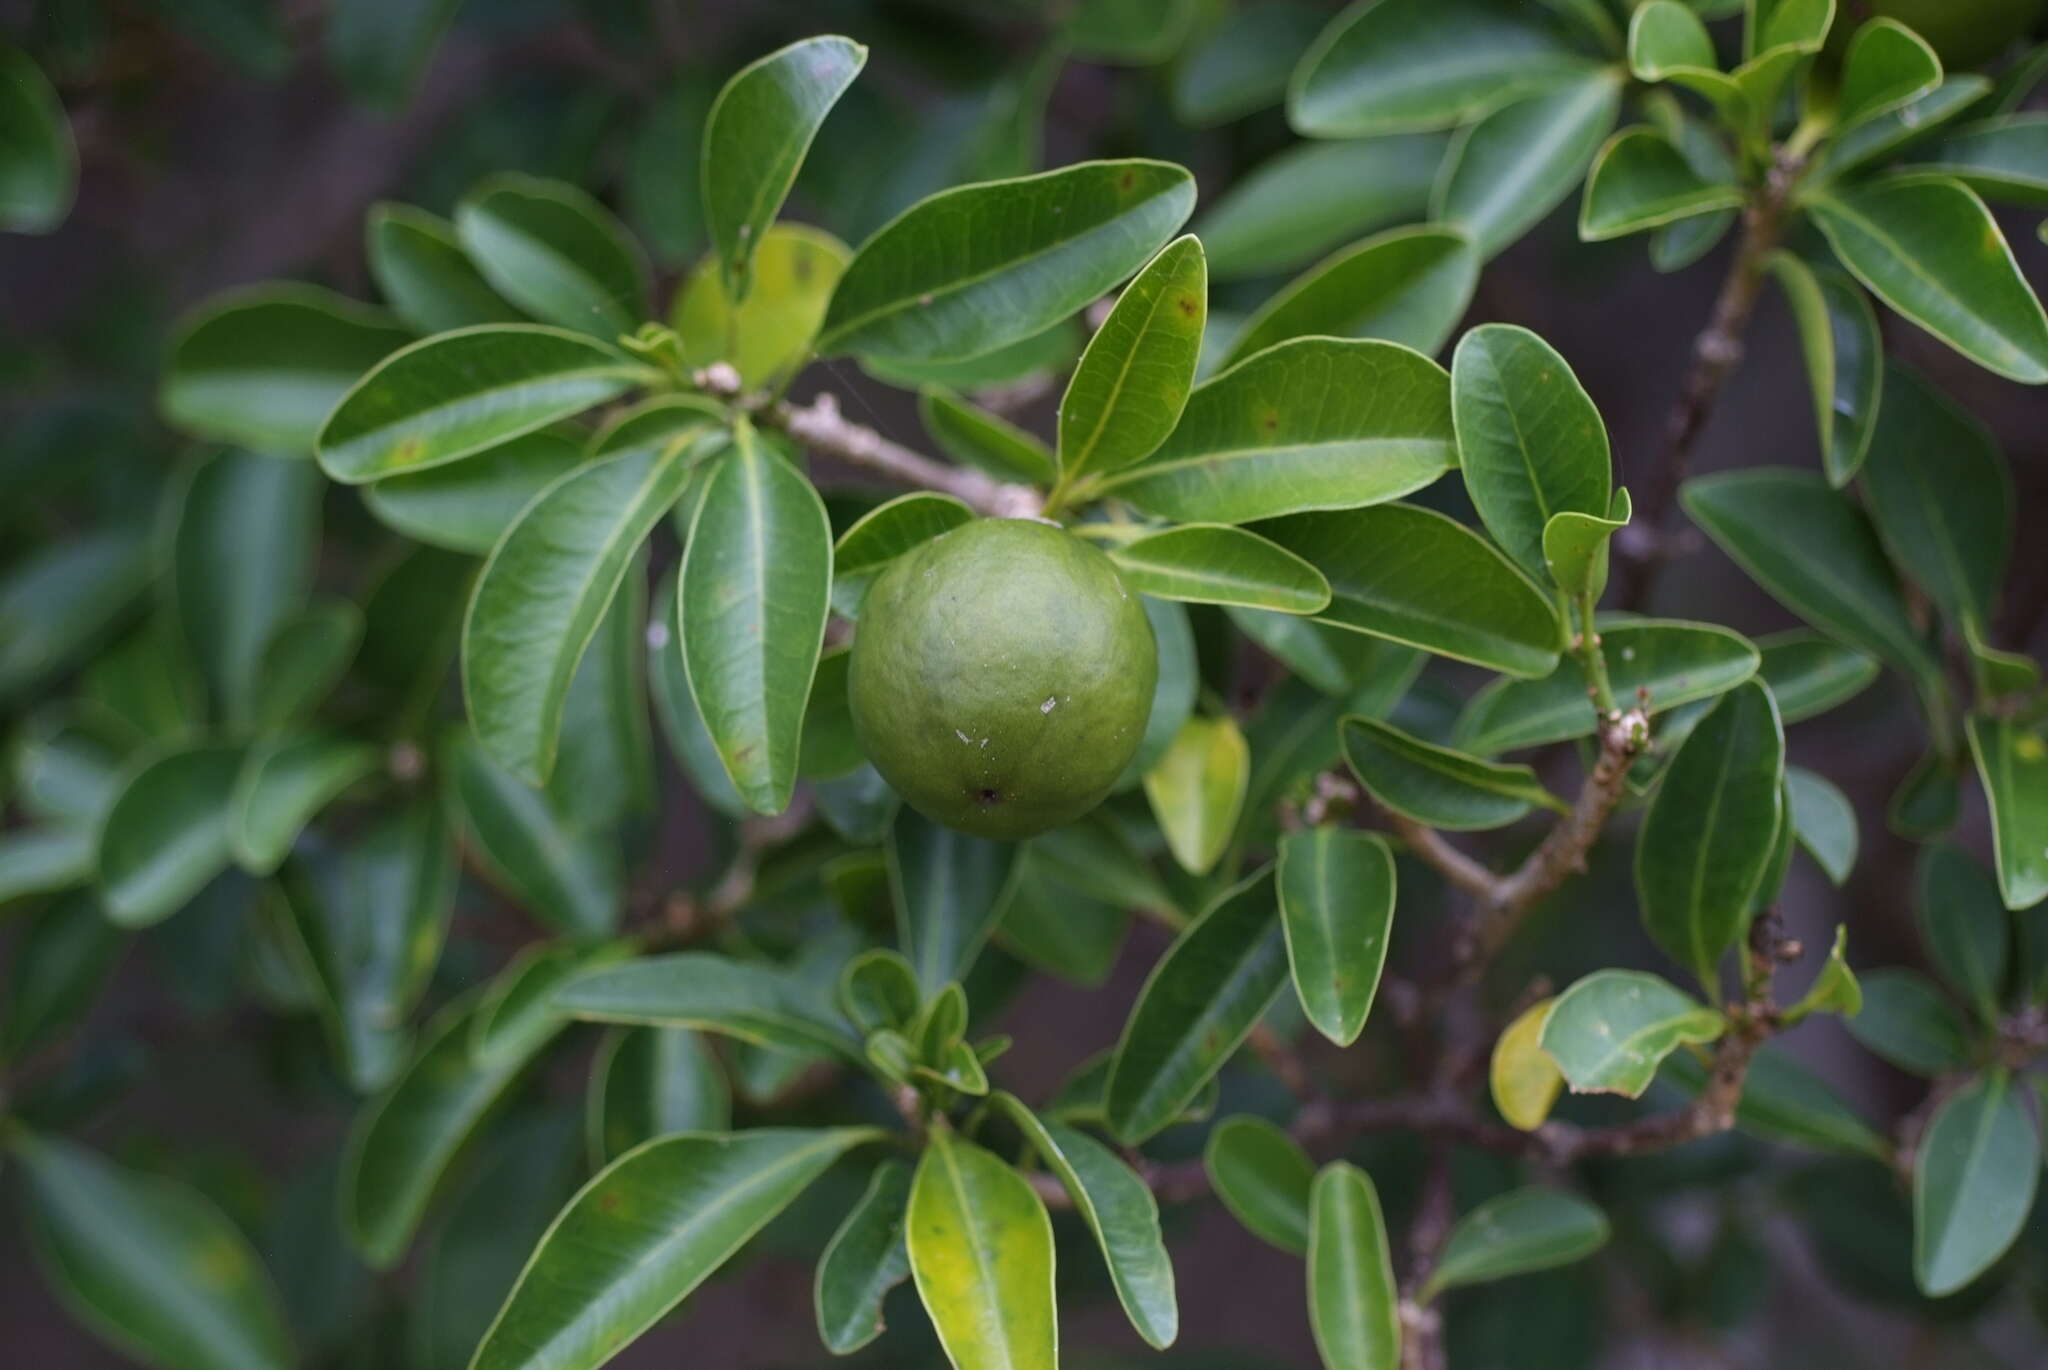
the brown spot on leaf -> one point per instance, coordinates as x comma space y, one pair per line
1127, 180
1188, 305
1271, 421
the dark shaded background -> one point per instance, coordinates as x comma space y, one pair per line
199, 174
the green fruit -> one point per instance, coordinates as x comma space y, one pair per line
1963, 33
1001, 677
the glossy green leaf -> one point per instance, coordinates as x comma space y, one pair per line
1675, 246
1097, 856
1964, 925
1844, 359
518, 1013
1312, 197
1119, 1210
652, 1082
866, 1258
1353, 1304
1138, 32
1133, 380
149, 1264
566, 879
681, 721
648, 1229
422, 272
371, 923
1910, 1023
282, 786
62, 774
884, 533
1411, 574
1393, 65
1974, 1176
263, 366
1313, 423
1641, 180
1242, 63
457, 394
969, 270
756, 137
404, 1140
525, 1171
1197, 789
1264, 1178
1941, 497
878, 989
1928, 247
1883, 134
1609, 1032
44, 860
1050, 350
558, 254
1823, 821
2004, 159
1814, 551
1810, 674
1407, 286
39, 169
1336, 892
242, 560
166, 835
1997, 673
1676, 663
974, 437
2012, 762
1888, 65
304, 660
1507, 171
981, 1252
1213, 563
1173, 695
790, 277
547, 587
61, 958
753, 599
1712, 831
1515, 1233
653, 425
1668, 42
948, 889
468, 506
1332, 660
1198, 1005
1530, 442
1575, 547
57, 602
1439, 786
757, 1003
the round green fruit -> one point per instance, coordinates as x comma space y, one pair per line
1963, 33
1001, 677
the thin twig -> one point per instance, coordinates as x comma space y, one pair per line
820, 426
1644, 545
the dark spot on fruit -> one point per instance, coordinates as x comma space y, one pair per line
988, 796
